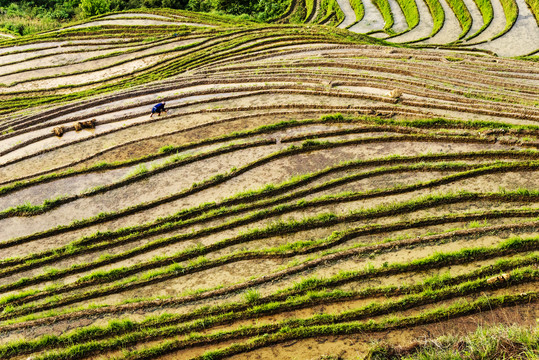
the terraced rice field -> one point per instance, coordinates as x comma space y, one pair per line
309, 190
502, 27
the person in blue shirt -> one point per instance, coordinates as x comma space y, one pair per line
158, 108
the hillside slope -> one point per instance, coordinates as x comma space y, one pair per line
308, 190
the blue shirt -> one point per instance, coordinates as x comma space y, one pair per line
158, 108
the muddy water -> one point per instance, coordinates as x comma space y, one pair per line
357, 345
227, 275
68, 186
66, 155
230, 233
79, 151
259, 244
394, 280
315, 234
134, 22
146, 146
451, 29
521, 39
57, 53
405, 255
183, 89
56, 58
271, 242
372, 20
165, 183
141, 314
399, 20
99, 75
312, 311
349, 14
255, 179
423, 29
85, 182
141, 132
75, 64
496, 25
402, 255
49, 44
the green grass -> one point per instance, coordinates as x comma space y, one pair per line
324, 219
533, 5
438, 15
492, 342
309, 4
110, 55
139, 170
411, 13
301, 329
359, 9
300, 13
463, 16
237, 46
307, 285
255, 306
385, 11
358, 231
323, 297
266, 191
28, 209
329, 8
167, 150
339, 15
142, 171
191, 59
20, 18
487, 13
510, 10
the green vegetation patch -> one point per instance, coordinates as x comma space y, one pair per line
300, 13
463, 15
411, 13
359, 9
487, 13
330, 13
310, 6
510, 9
385, 10
493, 342
24, 18
438, 15
534, 8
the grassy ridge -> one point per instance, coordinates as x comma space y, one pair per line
510, 9
163, 224
359, 9
385, 11
292, 333
252, 308
312, 289
337, 119
189, 60
502, 341
534, 8
438, 15
463, 16
410, 11
203, 263
487, 13
379, 242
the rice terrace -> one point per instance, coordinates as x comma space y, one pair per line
325, 179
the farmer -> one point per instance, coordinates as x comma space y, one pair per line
158, 108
